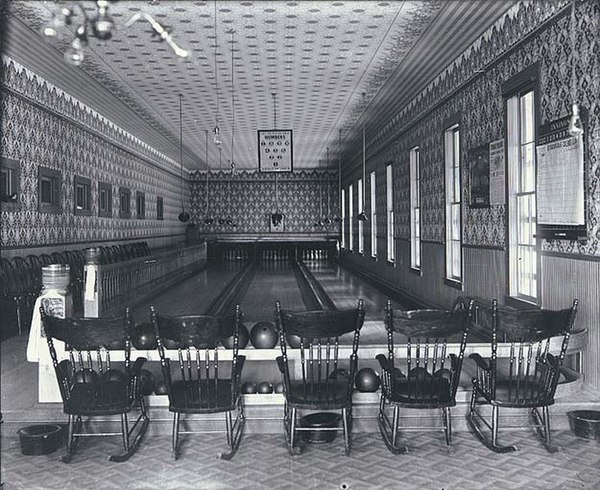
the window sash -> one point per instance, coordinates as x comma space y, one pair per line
373, 217
350, 218
361, 236
415, 221
389, 213
343, 222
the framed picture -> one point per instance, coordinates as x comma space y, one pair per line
479, 182
277, 222
275, 150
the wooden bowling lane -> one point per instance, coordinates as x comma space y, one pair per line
192, 295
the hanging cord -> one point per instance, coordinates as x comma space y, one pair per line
216, 71
181, 145
572, 33
340, 204
206, 208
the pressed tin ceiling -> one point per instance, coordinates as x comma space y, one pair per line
303, 63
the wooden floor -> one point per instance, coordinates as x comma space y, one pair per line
262, 461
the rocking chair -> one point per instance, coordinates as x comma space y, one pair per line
536, 341
90, 384
321, 382
200, 387
432, 372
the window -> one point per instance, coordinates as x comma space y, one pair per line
415, 209
350, 218
104, 200
124, 203
10, 185
49, 190
522, 254
343, 225
389, 207
453, 206
83, 196
140, 205
373, 217
361, 236
160, 208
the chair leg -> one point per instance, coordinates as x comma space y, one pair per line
125, 431
175, 437
389, 430
347, 432
473, 419
289, 423
447, 425
141, 424
542, 426
234, 431
67, 457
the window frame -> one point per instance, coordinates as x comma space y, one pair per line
343, 218
105, 188
389, 204
12, 169
415, 208
85, 184
140, 205
350, 218
124, 198
160, 208
453, 205
360, 208
54, 206
373, 201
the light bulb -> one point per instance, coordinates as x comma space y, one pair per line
575, 125
217, 136
74, 55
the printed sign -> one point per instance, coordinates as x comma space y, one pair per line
275, 150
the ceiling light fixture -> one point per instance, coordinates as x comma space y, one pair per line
575, 124
362, 216
101, 26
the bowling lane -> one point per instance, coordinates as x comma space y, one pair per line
274, 281
193, 295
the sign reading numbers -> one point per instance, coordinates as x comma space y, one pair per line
275, 150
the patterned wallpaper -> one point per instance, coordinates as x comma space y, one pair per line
250, 197
480, 105
43, 126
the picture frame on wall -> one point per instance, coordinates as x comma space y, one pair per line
479, 177
277, 222
275, 150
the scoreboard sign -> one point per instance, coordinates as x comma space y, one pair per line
275, 150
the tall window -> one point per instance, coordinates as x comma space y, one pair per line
104, 200
83, 196
140, 205
361, 236
373, 217
343, 224
522, 254
389, 207
10, 183
453, 207
49, 197
124, 203
160, 208
350, 218
415, 209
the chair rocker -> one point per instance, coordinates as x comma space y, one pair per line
91, 384
320, 381
428, 378
536, 341
198, 386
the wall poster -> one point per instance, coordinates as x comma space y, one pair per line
479, 167
497, 173
275, 150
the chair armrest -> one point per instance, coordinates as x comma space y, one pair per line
481, 362
280, 364
137, 365
384, 362
240, 365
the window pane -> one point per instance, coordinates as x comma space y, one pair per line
46, 191
527, 115
527, 168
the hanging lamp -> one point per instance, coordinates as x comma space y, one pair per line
184, 216
362, 216
217, 140
207, 219
575, 123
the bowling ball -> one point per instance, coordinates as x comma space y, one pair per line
170, 344
263, 335
339, 373
292, 340
146, 382
86, 376
114, 375
278, 388
143, 337
118, 344
265, 388
248, 388
160, 388
367, 380
419, 373
243, 338
66, 368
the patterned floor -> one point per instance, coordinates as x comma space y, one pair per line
263, 463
